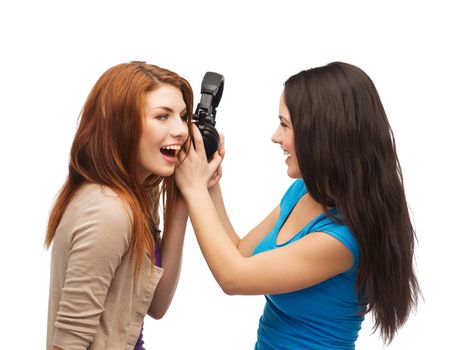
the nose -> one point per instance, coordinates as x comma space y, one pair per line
179, 128
276, 137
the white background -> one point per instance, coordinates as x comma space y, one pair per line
53, 52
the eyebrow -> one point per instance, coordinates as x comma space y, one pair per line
169, 109
281, 118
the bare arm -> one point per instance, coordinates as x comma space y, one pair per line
247, 244
171, 258
217, 198
308, 261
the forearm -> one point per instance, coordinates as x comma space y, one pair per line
216, 244
171, 258
217, 199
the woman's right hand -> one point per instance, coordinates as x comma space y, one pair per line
194, 173
215, 179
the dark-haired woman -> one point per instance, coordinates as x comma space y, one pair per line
340, 243
107, 252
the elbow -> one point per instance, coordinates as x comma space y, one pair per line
157, 313
231, 284
157, 316
228, 289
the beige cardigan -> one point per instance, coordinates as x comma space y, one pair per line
94, 300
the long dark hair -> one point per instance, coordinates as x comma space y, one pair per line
347, 157
105, 151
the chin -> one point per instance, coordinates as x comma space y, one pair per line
294, 174
166, 173
163, 171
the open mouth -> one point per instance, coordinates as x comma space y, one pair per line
168, 152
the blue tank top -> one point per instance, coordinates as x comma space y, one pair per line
325, 316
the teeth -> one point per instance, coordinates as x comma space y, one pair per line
172, 147
286, 153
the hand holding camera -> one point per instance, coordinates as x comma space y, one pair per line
195, 173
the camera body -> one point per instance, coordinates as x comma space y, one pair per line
211, 89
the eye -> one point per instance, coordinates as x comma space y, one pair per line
184, 117
283, 125
162, 117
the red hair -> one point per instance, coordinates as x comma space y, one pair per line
105, 151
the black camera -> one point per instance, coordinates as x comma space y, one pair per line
211, 89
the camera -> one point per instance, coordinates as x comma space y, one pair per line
204, 117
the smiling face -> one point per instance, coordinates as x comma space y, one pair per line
164, 131
284, 136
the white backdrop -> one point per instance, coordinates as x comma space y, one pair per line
53, 52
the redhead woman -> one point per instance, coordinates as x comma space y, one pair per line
110, 264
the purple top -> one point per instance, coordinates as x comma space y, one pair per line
140, 342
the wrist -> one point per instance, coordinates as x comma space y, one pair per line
194, 194
215, 189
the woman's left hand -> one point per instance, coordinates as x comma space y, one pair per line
194, 173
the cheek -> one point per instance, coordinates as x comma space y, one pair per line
143, 150
152, 132
289, 141
147, 142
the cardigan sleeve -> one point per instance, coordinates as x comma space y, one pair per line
99, 240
